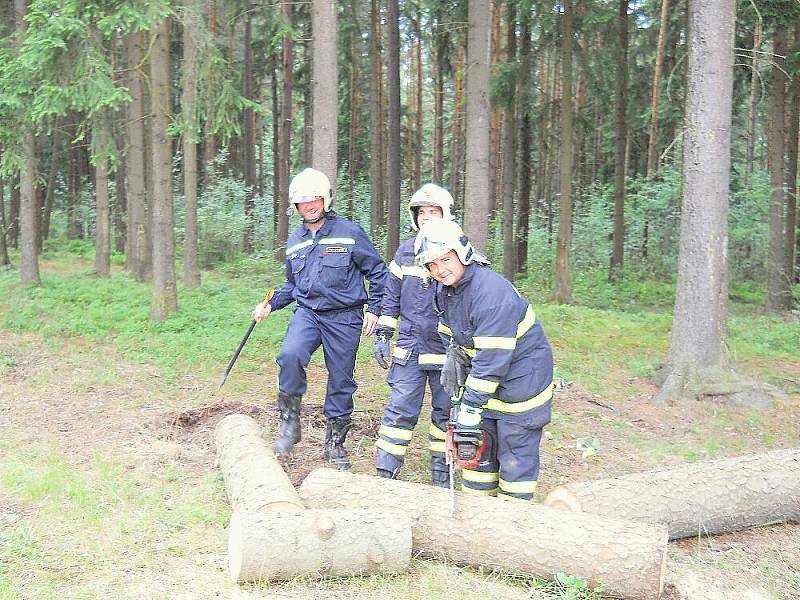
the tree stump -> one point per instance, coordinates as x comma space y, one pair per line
282, 545
696, 499
627, 558
254, 479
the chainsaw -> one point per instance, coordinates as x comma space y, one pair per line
465, 450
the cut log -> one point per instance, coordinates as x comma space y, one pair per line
282, 545
254, 479
627, 558
696, 499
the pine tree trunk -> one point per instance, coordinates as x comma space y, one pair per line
752, 106
50, 191
13, 212
496, 159
510, 153
437, 175
308, 101
283, 155
457, 133
102, 244
3, 227
211, 143
652, 150
325, 89
618, 254
276, 136
476, 183
254, 479
138, 255
375, 123
696, 499
698, 363
191, 267
165, 298
28, 242
393, 138
524, 135
779, 296
791, 156
120, 210
286, 545
248, 136
627, 559
354, 101
563, 291
420, 124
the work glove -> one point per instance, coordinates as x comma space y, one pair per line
455, 370
380, 347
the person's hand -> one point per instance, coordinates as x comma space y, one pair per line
261, 311
455, 370
370, 321
380, 348
469, 418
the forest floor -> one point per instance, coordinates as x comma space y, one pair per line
108, 487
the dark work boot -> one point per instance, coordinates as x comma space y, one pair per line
334, 442
289, 433
440, 473
385, 474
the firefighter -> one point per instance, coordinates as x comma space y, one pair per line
418, 354
327, 260
507, 386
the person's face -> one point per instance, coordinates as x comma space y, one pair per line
447, 269
312, 209
427, 213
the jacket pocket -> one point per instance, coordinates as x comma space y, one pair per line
334, 269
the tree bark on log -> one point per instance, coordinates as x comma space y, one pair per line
626, 558
282, 545
696, 499
254, 479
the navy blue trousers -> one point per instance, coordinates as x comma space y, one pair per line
338, 331
400, 416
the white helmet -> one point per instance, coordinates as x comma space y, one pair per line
431, 194
436, 238
309, 184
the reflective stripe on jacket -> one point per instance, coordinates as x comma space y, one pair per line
326, 271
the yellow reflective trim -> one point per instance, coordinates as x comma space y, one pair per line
517, 487
488, 342
299, 246
396, 270
401, 353
442, 328
394, 449
437, 447
518, 407
395, 432
481, 385
508, 498
437, 433
471, 352
527, 322
432, 359
337, 241
413, 271
469, 490
480, 476
387, 321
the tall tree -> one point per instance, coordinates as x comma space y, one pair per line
524, 134
393, 138
3, 229
779, 296
509, 141
476, 185
652, 148
101, 140
752, 105
165, 297
248, 134
138, 256
283, 154
28, 222
793, 140
375, 121
191, 28
325, 96
698, 362
563, 293
618, 254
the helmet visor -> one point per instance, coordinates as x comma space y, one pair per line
302, 199
430, 250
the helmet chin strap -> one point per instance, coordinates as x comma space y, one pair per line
317, 220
